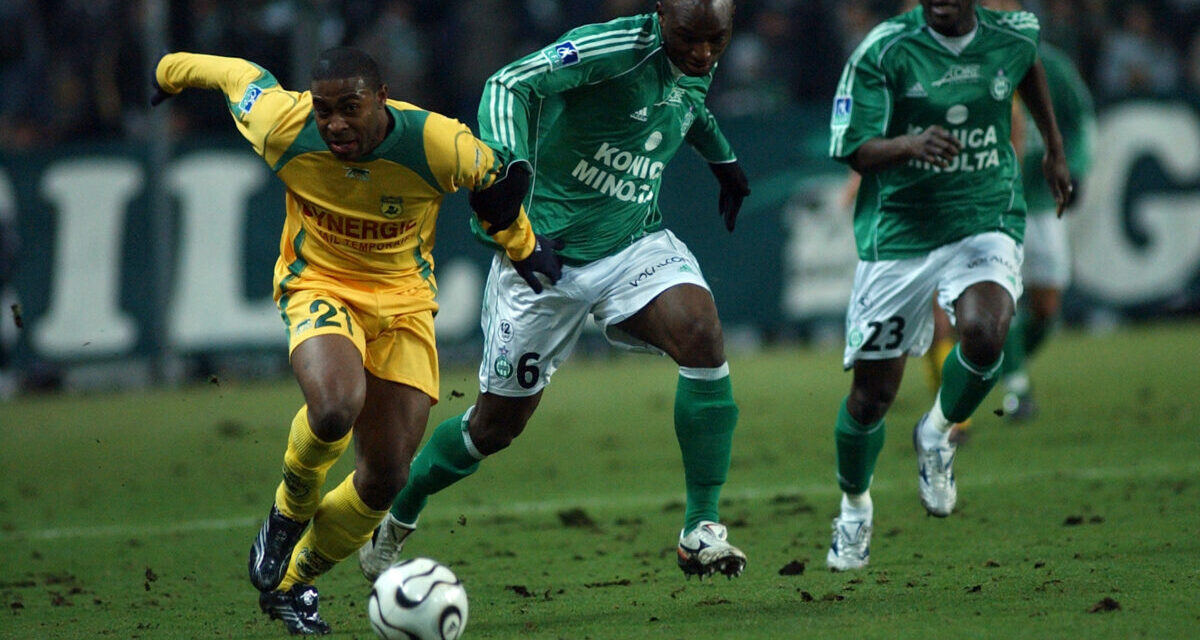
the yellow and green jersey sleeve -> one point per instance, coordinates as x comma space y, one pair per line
372, 220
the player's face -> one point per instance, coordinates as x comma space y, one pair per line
695, 32
351, 118
950, 17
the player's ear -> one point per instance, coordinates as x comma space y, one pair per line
382, 94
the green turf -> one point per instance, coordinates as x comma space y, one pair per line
129, 516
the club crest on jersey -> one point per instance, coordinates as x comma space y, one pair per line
1001, 86
248, 99
841, 109
391, 206
563, 54
502, 365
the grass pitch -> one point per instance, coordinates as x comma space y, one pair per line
130, 516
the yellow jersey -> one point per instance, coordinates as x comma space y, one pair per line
371, 220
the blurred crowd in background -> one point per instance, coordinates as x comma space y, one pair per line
79, 69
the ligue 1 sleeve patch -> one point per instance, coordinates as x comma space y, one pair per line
841, 109
248, 99
563, 54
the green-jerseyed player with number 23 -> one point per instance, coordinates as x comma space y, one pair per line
924, 112
596, 116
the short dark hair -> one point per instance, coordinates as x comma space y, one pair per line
346, 62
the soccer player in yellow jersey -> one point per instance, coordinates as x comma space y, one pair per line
354, 282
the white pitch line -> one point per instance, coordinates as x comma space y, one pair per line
825, 489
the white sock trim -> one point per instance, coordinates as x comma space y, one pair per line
466, 435
937, 417
704, 373
857, 506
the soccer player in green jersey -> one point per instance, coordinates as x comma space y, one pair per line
365, 178
1047, 268
596, 117
923, 110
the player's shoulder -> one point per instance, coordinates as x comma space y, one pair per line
886, 34
625, 38
1020, 23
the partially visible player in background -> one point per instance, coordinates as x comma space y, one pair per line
1047, 267
924, 112
354, 282
598, 115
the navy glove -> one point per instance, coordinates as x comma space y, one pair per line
543, 260
734, 188
157, 95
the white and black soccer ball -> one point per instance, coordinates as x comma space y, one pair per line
418, 599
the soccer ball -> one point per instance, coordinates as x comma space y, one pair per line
418, 599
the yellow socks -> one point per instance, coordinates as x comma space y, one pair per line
933, 362
342, 524
304, 466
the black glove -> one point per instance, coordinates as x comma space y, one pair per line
734, 188
157, 95
543, 260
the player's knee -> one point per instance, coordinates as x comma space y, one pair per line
700, 343
982, 342
332, 420
868, 405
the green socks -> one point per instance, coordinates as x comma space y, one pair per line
705, 416
858, 447
965, 385
444, 460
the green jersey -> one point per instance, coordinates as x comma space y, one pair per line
597, 116
1076, 116
902, 79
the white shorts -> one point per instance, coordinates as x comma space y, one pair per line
527, 335
1047, 252
890, 314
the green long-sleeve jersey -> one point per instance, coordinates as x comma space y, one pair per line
598, 115
902, 80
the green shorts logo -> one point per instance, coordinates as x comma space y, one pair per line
503, 367
855, 338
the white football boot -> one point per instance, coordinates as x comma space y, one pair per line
851, 545
383, 549
935, 471
704, 552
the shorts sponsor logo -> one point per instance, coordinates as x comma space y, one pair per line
979, 262
248, 99
649, 272
502, 365
563, 54
505, 331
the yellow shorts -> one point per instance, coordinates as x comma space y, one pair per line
392, 327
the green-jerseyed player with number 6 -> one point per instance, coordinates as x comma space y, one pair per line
596, 117
924, 112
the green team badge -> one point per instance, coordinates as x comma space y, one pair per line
1001, 86
503, 366
855, 338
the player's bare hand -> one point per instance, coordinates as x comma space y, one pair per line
1058, 176
543, 260
935, 145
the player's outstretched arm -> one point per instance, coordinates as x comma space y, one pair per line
734, 188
